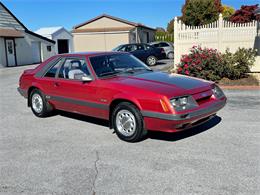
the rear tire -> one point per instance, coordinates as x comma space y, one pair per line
39, 105
128, 122
151, 60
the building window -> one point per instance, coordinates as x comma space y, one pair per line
49, 48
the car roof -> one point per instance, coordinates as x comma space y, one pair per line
88, 54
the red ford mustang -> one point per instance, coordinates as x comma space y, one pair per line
120, 88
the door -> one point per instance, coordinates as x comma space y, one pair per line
36, 52
10, 52
63, 46
140, 52
73, 94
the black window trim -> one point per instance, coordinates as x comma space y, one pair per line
41, 73
60, 59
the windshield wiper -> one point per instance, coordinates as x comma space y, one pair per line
133, 70
108, 74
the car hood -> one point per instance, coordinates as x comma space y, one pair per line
164, 83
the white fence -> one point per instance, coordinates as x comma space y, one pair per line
219, 35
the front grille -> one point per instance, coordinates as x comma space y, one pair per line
203, 99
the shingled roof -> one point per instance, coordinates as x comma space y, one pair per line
113, 18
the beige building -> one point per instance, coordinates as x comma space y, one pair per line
19, 45
105, 32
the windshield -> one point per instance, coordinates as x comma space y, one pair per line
117, 48
113, 64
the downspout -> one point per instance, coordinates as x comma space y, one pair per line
136, 35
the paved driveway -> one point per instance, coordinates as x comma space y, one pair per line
72, 154
163, 64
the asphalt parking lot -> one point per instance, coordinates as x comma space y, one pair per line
163, 64
72, 154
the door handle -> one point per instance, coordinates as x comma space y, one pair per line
56, 84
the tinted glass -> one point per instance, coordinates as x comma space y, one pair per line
156, 45
116, 63
117, 48
140, 47
130, 48
73, 68
52, 71
164, 44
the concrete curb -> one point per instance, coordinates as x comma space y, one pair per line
241, 87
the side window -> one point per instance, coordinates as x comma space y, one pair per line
156, 45
130, 48
140, 47
52, 71
163, 44
122, 48
147, 47
74, 68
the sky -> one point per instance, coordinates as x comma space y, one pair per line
35, 14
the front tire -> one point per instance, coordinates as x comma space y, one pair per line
151, 60
128, 122
39, 105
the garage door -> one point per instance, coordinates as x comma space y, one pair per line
36, 52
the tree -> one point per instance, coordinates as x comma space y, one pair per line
170, 26
200, 12
160, 29
227, 11
245, 14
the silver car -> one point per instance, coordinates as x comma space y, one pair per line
167, 46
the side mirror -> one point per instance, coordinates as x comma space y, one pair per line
86, 79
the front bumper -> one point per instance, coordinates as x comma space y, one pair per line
177, 122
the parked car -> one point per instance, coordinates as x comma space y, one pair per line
167, 46
120, 88
147, 53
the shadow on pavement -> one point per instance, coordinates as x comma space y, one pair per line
186, 133
84, 118
151, 134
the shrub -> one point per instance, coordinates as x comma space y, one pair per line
202, 63
238, 64
211, 65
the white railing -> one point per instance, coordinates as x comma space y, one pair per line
219, 35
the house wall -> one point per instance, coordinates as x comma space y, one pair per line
24, 51
99, 41
219, 35
142, 33
62, 34
104, 23
7, 21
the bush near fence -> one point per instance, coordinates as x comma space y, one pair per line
165, 37
219, 35
210, 64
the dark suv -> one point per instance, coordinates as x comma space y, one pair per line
147, 53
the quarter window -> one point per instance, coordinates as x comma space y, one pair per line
52, 71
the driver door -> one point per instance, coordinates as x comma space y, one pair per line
73, 94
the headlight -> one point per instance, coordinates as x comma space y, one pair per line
183, 103
218, 93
